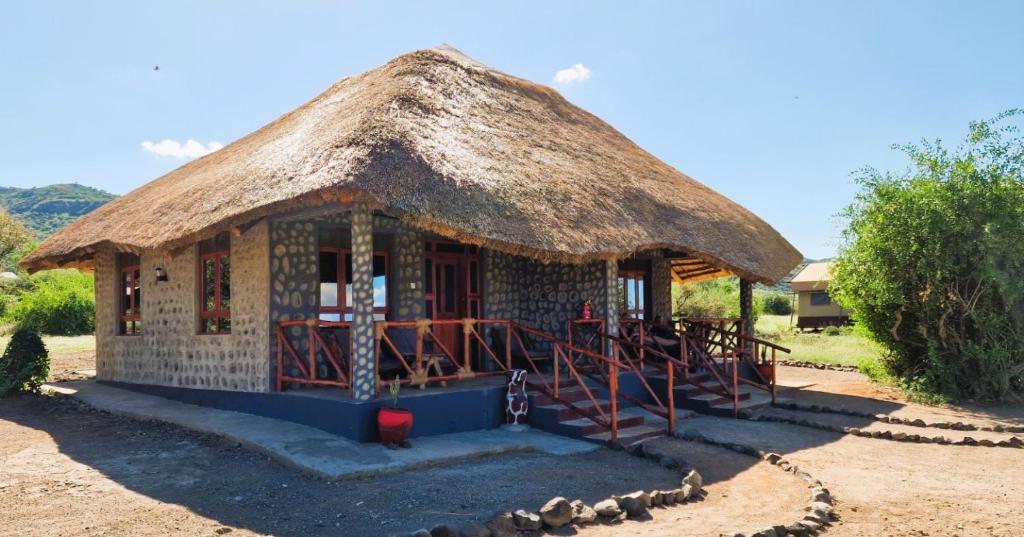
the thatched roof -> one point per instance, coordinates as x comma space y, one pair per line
454, 147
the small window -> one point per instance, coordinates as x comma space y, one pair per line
632, 303
215, 285
129, 304
820, 298
336, 285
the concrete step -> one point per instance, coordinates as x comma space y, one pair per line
754, 401
581, 427
628, 435
585, 406
570, 393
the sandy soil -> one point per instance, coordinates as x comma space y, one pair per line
882, 488
65, 470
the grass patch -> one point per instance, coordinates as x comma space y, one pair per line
66, 352
842, 346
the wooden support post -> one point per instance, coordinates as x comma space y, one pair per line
746, 314
735, 386
671, 399
508, 345
613, 397
280, 361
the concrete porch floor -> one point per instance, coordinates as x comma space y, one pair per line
312, 450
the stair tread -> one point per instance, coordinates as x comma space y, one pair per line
624, 421
629, 432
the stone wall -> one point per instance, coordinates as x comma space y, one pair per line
661, 286
295, 271
170, 351
541, 296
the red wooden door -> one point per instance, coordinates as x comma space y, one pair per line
449, 302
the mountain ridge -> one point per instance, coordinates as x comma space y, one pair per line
45, 209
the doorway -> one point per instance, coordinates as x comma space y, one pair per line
451, 289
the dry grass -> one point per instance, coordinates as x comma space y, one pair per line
845, 348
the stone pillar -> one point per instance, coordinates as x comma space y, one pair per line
747, 310
661, 287
611, 300
364, 374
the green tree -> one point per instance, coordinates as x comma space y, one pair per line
13, 236
932, 263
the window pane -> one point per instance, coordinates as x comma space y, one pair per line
348, 280
428, 276
137, 292
209, 275
428, 309
225, 325
630, 294
380, 284
126, 296
209, 326
474, 285
449, 288
333, 317
640, 294
225, 282
328, 280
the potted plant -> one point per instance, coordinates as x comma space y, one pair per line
394, 423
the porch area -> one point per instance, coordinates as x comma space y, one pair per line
361, 302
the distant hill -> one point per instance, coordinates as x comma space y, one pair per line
46, 209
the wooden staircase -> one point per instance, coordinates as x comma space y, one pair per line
697, 393
551, 415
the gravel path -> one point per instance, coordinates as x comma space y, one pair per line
67, 470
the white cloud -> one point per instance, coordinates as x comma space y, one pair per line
577, 73
172, 148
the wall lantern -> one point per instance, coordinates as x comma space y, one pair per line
161, 276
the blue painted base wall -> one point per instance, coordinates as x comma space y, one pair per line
436, 413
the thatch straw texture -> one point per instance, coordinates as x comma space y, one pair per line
453, 147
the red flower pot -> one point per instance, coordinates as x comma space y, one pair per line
766, 371
393, 424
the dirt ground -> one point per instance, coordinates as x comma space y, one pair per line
881, 488
68, 470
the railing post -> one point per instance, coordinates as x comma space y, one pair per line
280, 360
312, 351
684, 350
467, 327
555, 352
508, 345
671, 400
773, 375
613, 399
735, 386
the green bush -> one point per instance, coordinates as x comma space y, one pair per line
56, 302
712, 298
932, 263
776, 304
25, 363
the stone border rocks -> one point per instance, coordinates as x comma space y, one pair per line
898, 436
952, 425
817, 365
560, 513
820, 513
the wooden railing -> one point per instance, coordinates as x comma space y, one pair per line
327, 344
427, 359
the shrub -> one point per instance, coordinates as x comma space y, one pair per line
776, 304
713, 298
56, 302
25, 363
931, 265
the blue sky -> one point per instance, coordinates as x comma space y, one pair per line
774, 104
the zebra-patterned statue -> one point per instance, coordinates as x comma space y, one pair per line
516, 402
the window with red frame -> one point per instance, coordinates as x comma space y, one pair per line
215, 285
130, 297
336, 284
